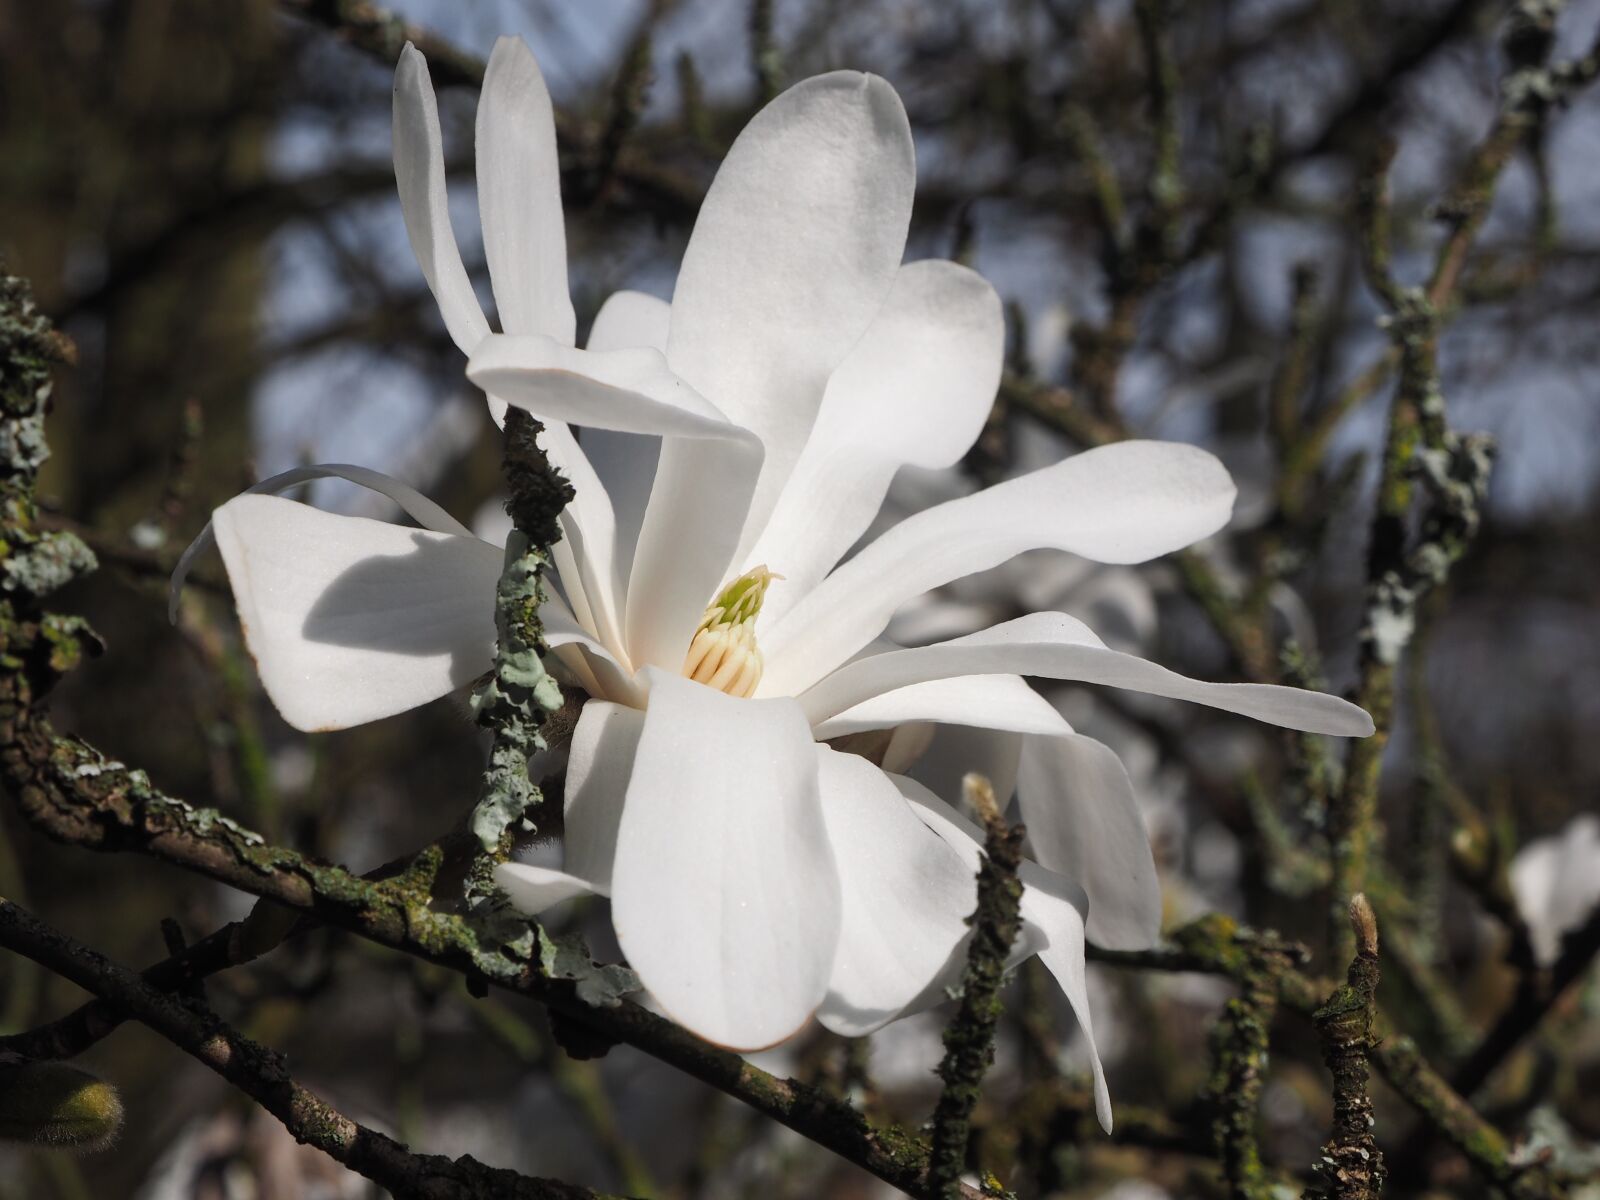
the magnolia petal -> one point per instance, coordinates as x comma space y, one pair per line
964, 836
585, 556
906, 896
794, 250
1061, 924
570, 575
987, 701
625, 462
607, 678
1076, 798
632, 391
519, 196
1556, 882
424, 202
1056, 646
686, 542
611, 472
1052, 915
533, 889
351, 619
915, 390
1121, 503
599, 766
417, 506
1083, 821
570, 666
629, 320
725, 896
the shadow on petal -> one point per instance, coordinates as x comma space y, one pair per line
430, 602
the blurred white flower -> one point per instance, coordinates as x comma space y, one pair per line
757, 874
1556, 881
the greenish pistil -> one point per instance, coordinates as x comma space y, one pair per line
723, 653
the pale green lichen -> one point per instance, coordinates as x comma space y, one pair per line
598, 985
515, 700
22, 443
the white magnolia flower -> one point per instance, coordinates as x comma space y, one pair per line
1556, 881
757, 874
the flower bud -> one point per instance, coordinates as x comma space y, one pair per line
53, 1104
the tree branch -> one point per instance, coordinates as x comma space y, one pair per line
969, 1038
263, 1075
1351, 1163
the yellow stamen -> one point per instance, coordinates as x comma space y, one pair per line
723, 653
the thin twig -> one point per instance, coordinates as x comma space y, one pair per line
1219, 946
382, 34
1536, 995
1239, 1050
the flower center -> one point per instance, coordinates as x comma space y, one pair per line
723, 653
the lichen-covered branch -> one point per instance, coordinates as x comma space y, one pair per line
263, 1075
1220, 946
519, 695
71, 792
969, 1038
1351, 1165
1453, 470
1239, 1051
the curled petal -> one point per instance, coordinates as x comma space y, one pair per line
1056, 646
630, 391
1084, 822
983, 701
422, 510
1122, 503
